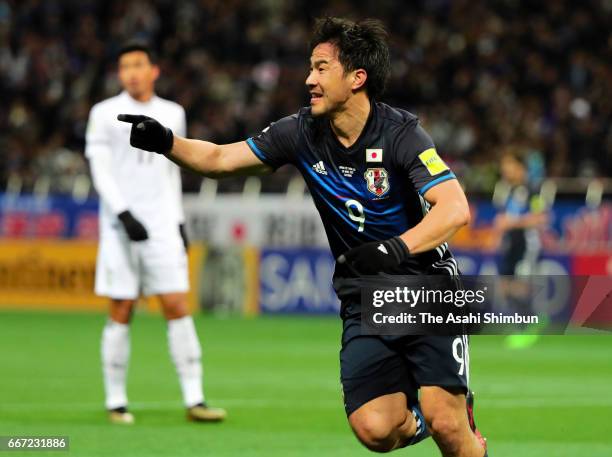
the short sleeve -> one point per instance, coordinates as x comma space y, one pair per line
275, 145
416, 154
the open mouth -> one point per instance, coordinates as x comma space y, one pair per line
315, 97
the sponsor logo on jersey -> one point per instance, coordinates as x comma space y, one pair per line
347, 171
377, 180
319, 167
432, 161
374, 155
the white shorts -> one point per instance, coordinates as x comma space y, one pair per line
125, 269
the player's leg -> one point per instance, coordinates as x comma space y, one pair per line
521, 291
387, 423
186, 354
440, 365
184, 346
115, 349
445, 413
165, 274
380, 398
116, 276
121, 310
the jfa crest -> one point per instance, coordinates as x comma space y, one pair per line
378, 181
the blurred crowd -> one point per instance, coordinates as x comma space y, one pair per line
483, 76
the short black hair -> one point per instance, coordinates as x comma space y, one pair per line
132, 46
517, 156
361, 44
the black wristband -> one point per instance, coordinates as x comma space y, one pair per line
168, 141
399, 248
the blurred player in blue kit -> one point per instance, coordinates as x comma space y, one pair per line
522, 213
389, 204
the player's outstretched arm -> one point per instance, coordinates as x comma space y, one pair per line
209, 159
449, 212
216, 161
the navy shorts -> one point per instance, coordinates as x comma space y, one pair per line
372, 366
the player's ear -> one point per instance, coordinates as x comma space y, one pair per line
155, 72
359, 79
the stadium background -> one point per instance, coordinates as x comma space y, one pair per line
484, 77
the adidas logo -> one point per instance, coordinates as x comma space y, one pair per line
319, 167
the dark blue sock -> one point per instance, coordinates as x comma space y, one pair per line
421, 430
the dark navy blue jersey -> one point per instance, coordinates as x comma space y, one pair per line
370, 191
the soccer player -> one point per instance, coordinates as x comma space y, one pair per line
388, 204
142, 238
523, 212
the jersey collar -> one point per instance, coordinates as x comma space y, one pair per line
129, 98
368, 128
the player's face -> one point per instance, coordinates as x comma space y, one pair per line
137, 74
329, 85
512, 170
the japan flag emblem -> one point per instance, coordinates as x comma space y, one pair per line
374, 155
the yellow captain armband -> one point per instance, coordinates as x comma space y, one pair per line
432, 161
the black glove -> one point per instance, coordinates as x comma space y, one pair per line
148, 134
135, 230
376, 257
183, 233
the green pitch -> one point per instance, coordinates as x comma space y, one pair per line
278, 379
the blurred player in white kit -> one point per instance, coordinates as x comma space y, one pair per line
143, 243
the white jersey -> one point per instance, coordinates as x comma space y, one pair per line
127, 178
